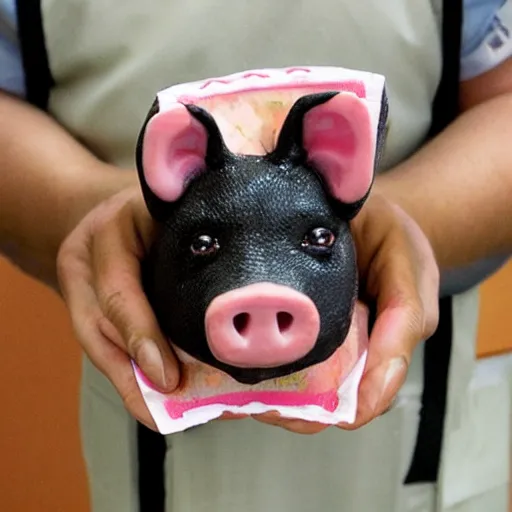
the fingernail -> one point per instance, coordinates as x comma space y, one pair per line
151, 363
396, 366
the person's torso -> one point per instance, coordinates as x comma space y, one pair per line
109, 59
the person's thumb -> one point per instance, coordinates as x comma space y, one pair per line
125, 306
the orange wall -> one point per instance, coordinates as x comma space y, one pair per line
495, 335
41, 467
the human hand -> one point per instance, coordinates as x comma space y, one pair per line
99, 271
398, 272
98, 268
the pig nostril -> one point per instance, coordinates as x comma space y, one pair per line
284, 321
241, 323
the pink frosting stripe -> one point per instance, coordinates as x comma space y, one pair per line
328, 401
354, 86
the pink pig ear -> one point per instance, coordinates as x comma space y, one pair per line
174, 151
339, 142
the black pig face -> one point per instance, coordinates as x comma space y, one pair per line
254, 270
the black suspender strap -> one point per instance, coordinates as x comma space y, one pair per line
151, 447
38, 78
427, 454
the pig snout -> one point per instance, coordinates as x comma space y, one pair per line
261, 325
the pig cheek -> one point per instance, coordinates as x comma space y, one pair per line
334, 292
175, 300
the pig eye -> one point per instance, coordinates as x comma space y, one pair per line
319, 239
204, 245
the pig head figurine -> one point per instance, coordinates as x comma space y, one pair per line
254, 269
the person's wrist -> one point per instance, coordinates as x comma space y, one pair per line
389, 186
100, 184
87, 191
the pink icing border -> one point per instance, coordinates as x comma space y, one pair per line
312, 78
354, 86
328, 401
176, 408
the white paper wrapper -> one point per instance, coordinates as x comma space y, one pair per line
345, 412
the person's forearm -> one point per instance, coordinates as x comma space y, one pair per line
459, 186
48, 182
